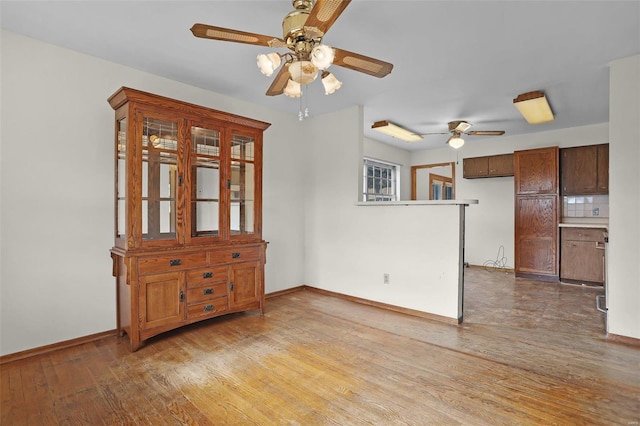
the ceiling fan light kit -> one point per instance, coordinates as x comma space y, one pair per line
330, 82
455, 141
293, 89
534, 107
303, 29
303, 72
268, 63
396, 131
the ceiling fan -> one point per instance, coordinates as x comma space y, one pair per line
302, 29
460, 127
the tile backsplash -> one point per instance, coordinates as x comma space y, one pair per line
585, 206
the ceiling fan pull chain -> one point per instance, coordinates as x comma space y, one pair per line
306, 105
300, 116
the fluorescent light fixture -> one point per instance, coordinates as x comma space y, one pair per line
395, 131
534, 107
455, 141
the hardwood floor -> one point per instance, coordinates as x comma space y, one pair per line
527, 353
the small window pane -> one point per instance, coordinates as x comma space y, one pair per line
380, 181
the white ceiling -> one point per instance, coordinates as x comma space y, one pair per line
452, 59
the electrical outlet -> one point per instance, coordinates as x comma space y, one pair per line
596, 212
385, 278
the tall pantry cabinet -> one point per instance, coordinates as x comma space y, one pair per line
537, 213
188, 224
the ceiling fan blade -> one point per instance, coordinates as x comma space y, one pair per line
279, 82
486, 133
433, 133
459, 126
225, 34
324, 13
361, 63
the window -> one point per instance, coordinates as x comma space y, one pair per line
381, 181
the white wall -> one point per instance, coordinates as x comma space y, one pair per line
382, 151
349, 248
57, 190
490, 224
624, 198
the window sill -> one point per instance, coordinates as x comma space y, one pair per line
418, 203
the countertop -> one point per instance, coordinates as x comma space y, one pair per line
596, 225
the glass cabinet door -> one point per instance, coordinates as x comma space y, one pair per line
159, 179
121, 180
205, 182
242, 185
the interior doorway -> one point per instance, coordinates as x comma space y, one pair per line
433, 181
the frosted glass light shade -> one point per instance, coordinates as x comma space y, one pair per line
303, 72
293, 89
268, 63
330, 83
322, 56
455, 142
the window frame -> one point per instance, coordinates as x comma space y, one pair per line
394, 168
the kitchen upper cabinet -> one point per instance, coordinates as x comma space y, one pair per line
489, 166
585, 170
603, 169
536, 171
188, 214
537, 214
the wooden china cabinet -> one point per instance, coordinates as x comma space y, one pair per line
188, 228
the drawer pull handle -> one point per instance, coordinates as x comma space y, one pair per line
208, 308
207, 291
175, 262
207, 275
235, 255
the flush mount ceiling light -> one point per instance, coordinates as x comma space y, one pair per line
534, 107
396, 131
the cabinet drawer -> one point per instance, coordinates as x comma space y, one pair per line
207, 292
583, 234
174, 262
207, 308
199, 277
235, 254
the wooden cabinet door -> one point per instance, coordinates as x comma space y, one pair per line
501, 165
579, 167
603, 169
583, 261
475, 167
161, 299
536, 171
245, 284
537, 235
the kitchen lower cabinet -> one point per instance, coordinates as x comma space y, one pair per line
583, 255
